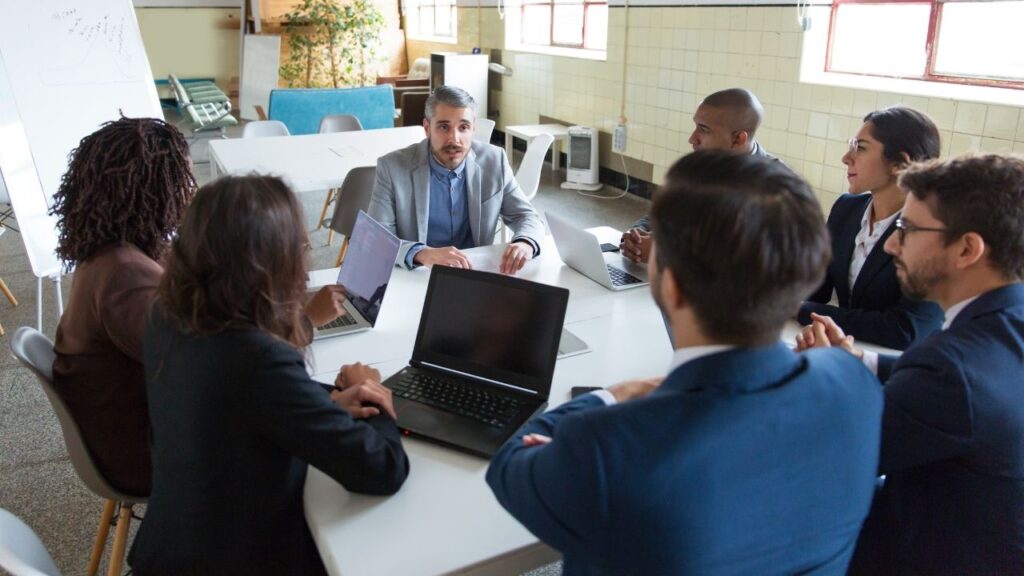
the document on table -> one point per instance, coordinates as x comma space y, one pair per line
486, 262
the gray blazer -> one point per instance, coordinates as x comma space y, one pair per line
401, 201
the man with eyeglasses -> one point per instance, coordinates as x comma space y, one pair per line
725, 120
952, 449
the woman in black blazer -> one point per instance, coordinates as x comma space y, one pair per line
235, 418
863, 277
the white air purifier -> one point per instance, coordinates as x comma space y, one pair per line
581, 168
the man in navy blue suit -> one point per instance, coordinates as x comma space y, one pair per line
747, 458
953, 430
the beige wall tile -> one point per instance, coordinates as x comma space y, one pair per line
961, 143
970, 118
1001, 122
943, 112
996, 145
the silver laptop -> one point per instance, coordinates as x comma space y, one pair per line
581, 250
364, 275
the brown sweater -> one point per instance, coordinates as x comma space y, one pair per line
98, 369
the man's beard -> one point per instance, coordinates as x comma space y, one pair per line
918, 284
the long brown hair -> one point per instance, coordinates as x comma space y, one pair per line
130, 181
239, 261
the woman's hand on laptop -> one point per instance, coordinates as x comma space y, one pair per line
326, 304
365, 400
355, 374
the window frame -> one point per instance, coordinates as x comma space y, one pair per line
932, 41
413, 32
587, 4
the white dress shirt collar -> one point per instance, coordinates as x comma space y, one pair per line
691, 353
956, 309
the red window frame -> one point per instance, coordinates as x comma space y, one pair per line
931, 46
587, 4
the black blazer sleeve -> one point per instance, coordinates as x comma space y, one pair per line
895, 327
295, 412
879, 313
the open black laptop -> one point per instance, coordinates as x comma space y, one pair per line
483, 360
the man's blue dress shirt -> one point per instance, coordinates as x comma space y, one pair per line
448, 219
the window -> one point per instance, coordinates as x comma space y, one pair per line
951, 41
432, 20
561, 27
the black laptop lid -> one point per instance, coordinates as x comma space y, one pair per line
492, 326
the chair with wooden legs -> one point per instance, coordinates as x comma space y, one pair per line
330, 124
353, 196
35, 351
10, 296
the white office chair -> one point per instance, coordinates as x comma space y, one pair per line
329, 124
420, 69
528, 175
35, 351
264, 128
340, 123
21, 551
484, 129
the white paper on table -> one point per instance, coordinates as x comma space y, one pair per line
485, 262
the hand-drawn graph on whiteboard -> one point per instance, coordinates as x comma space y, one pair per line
85, 42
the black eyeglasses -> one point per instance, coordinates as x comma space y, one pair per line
904, 228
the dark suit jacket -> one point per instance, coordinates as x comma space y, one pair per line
749, 461
953, 449
874, 309
235, 422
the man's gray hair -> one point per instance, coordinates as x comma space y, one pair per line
450, 96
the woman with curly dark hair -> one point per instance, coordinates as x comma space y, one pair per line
125, 191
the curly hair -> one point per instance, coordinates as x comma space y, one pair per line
130, 181
249, 275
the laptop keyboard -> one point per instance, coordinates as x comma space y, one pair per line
621, 277
458, 398
344, 320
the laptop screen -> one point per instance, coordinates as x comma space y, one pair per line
492, 326
368, 264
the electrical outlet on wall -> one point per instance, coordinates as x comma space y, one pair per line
619, 138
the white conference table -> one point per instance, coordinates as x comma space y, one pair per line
444, 519
309, 162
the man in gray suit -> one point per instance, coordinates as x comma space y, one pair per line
725, 120
446, 193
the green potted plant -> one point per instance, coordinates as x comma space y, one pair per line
332, 44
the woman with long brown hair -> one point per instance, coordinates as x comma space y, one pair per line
125, 190
235, 417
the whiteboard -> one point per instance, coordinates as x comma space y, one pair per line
66, 66
261, 57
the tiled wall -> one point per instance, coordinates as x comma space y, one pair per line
677, 55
